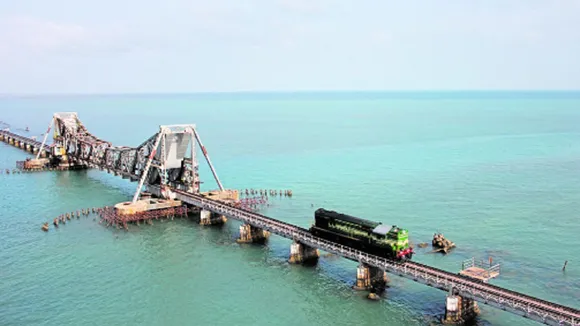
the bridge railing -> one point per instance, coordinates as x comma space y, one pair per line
518, 303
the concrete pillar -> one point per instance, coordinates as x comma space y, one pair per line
363, 278
250, 234
368, 277
459, 310
210, 218
301, 253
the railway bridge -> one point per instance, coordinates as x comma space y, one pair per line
26, 143
166, 165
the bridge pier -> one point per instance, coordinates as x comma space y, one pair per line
459, 310
369, 277
210, 218
249, 234
301, 253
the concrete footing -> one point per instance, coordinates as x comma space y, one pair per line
459, 310
368, 277
210, 218
301, 253
249, 234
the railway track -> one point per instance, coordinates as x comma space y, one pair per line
525, 305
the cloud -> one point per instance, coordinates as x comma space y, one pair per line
25, 36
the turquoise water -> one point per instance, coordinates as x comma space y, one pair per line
498, 173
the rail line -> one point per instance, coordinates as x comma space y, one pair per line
153, 165
527, 306
25, 140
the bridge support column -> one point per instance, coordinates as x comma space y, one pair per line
459, 310
210, 218
368, 277
301, 253
250, 234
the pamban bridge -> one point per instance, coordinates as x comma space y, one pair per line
171, 180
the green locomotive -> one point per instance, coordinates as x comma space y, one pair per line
368, 236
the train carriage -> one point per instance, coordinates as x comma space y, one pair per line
372, 237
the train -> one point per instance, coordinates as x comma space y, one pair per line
371, 237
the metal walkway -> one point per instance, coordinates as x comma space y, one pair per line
160, 164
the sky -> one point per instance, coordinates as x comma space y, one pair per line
176, 46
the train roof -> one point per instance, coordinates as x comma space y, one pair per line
382, 229
339, 216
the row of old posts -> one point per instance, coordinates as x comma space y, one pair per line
110, 217
267, 192
25, 171
67, 217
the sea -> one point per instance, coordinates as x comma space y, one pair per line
498, 173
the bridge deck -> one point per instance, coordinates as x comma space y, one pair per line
519, 303
124, 162
25, 139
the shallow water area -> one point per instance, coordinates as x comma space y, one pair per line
497, 174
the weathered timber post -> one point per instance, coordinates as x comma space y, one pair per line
250, 234
301, 253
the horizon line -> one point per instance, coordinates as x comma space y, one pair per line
281, 92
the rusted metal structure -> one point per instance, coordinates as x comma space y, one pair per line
113, 217
160, 160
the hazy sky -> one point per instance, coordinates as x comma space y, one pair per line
72, 46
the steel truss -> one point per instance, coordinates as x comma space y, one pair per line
146, 163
